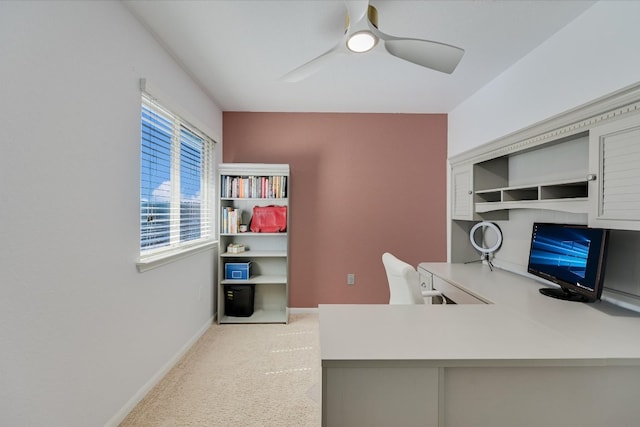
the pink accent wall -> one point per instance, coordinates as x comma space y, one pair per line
361, 184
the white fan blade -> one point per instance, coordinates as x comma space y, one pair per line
311, 67
437, 56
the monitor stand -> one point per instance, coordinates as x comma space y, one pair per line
563, 294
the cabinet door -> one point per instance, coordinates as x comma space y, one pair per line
462, 193
392, 393
614, 159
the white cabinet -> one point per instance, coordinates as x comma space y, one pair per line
581, 166
380, 394
243, 186
551, 177
462, 192
474, 183
614, 160
476, 189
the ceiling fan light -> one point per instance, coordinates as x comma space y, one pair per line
362, 41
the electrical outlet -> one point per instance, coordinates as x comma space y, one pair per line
351, 279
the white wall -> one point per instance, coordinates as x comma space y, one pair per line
594, 55
82, 333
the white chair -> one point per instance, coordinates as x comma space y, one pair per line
404, 284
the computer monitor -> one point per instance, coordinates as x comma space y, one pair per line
572, 256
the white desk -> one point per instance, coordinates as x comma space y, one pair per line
522, 360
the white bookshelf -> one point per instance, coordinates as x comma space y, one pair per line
268, 252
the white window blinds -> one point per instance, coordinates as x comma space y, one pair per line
176, 181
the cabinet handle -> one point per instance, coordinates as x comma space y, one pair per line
469, 192
591, 177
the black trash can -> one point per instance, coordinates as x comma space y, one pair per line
238, 300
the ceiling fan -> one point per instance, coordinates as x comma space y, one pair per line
362, 35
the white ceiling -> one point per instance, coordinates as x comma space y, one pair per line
239, 50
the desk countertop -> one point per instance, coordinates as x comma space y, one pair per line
520, 327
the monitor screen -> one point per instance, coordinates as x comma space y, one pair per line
571, 256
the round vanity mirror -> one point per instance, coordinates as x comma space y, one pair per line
486, 237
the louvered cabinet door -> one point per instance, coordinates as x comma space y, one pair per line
462, 194
614, 159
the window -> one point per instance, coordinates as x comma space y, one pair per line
176, 182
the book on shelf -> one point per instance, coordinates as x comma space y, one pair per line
254, 187
231, 220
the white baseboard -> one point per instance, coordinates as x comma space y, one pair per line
303, 310
155, 379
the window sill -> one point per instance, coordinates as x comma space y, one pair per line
151, 261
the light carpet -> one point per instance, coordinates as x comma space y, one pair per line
241, 375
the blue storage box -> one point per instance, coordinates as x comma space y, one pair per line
237, 270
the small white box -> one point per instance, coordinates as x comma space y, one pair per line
235, 248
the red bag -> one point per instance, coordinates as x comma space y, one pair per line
269, 219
